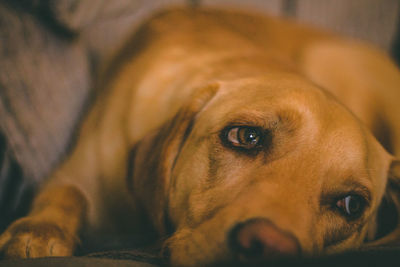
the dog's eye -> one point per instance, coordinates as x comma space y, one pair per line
245, 137
351, 206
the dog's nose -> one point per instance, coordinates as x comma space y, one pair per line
258, 239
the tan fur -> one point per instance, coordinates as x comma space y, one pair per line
150, 148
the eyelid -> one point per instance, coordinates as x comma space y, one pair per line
328, 198
263, 145
251, 119
242, 124
225, 131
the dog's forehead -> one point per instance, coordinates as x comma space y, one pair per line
318, 121
279, 97
271, 93
353, 151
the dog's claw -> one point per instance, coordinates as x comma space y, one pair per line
31, 238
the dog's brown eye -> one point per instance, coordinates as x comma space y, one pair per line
246, 137
351, 206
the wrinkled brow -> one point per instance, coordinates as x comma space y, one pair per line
290, 119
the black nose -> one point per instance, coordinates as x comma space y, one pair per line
259, 239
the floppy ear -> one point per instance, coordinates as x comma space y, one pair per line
153, 157
387, 228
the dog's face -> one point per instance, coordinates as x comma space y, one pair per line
261, 168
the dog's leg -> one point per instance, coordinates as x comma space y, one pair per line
51, 227
364, 79
58, 212
83, 189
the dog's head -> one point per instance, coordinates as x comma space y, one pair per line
265, 167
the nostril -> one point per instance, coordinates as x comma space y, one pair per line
259, 238
253, 248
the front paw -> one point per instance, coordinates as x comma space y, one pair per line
32, 238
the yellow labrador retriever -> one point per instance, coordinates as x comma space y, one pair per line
234, 136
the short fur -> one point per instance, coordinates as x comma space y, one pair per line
151, 148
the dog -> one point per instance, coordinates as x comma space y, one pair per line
234, 136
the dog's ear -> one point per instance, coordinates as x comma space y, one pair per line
387, 225
153, 157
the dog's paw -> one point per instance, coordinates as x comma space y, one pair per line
33, 238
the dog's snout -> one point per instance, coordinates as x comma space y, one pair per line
260, 239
